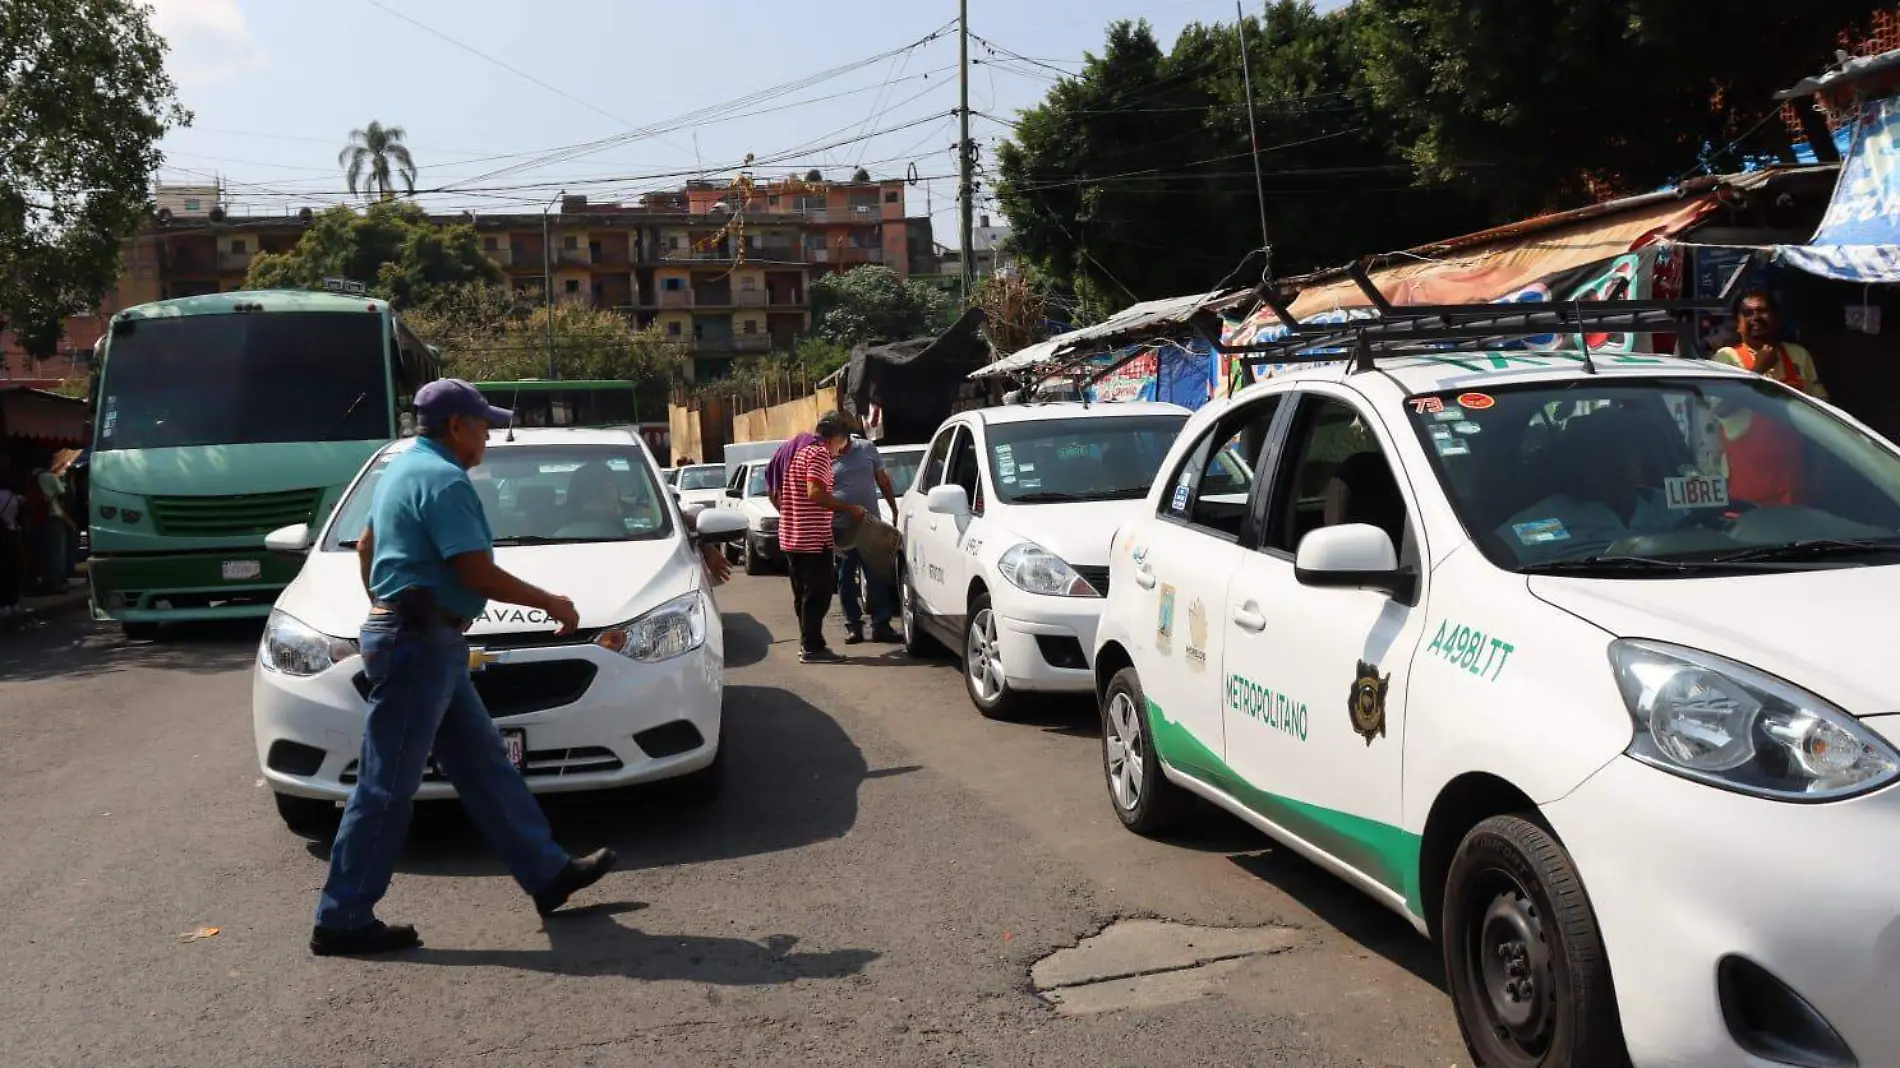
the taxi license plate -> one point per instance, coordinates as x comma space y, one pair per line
515, 742
239, 570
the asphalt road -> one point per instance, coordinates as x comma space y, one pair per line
874, 887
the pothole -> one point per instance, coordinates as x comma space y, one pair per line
1138, 964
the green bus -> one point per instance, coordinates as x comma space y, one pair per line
220, 418
543, 402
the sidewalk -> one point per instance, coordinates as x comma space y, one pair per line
40, 609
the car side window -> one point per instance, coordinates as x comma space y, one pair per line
1335, 473
1212, 487
965, 470
931, 473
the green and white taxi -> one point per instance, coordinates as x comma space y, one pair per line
1579, 666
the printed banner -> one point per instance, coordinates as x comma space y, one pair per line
1859, 237
1177, 374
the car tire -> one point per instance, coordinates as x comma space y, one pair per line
1144, 799
752, 558
983, 666
139, 632
309, 817
1524, 958
916, 642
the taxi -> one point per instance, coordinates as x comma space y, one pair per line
1579, 665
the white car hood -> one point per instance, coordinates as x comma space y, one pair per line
609, 582
702, 496
1079, 533
1827, 631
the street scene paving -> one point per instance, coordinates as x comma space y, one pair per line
887, 878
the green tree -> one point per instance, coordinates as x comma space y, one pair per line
1576, 99
375, 158
872, 305
391, 247
485, 334
84, 100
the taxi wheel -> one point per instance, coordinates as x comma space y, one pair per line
1524, 957
750, 558
308, 817
1144, 799
983, 663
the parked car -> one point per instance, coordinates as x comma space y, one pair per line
1577, 667
901, 463
1006, 532
699, 486
632, 697
746, 498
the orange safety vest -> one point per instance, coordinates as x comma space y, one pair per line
1759, 362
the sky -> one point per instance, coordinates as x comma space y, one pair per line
507, 104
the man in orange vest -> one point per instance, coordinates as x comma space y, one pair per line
1766, 465
1761, 350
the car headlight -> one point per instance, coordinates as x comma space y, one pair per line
292, 647
674, 629
769, 524
1709, 718
1034, 569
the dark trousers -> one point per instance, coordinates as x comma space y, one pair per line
876, 590
814, 579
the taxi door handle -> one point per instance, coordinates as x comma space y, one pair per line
1144, 576
1249, 620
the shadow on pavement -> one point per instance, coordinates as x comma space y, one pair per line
78, 648
747, 639
591, 942
791, 779
1347, 910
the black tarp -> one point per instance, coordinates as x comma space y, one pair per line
916, 382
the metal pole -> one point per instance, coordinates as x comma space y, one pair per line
547, 277
1253, 134
966, 185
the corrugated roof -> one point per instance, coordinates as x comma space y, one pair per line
1136, 322
1844, 76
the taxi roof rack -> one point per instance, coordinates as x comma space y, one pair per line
1446, 327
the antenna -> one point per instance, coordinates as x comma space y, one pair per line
514, 408
1583, 339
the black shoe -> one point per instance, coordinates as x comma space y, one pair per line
378, 937
580, 873
820, 656
886, 636
854, 636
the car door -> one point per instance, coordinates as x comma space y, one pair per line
954, 540
1315, 680
922, 527
1185, 555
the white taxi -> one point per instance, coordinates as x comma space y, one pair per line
699, 487
1580, 669
747, 498
1006, 528
632, 697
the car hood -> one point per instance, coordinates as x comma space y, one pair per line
701, 496
1079, 533
1825, 630
609, 582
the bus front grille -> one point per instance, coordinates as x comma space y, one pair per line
223, 517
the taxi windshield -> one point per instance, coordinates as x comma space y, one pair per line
1102, 458
704, 477
1670, 475
541, 495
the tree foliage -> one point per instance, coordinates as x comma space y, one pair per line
485, 334
375, 159
1581, 99
391, 247
84, 100
872, 305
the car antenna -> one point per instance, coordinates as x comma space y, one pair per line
514, 406
1583, 339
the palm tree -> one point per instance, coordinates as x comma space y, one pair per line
379, 151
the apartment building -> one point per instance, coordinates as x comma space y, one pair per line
727, 276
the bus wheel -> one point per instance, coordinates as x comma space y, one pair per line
139, 632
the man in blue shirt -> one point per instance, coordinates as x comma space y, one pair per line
427, 561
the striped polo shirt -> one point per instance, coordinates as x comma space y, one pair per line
803, 525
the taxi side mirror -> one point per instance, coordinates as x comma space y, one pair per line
948, 500
1352, 556
293, 540
714, 527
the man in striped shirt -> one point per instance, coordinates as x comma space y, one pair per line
806, 507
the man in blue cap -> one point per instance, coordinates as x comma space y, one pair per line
428, 563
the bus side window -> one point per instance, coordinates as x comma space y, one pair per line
411, 373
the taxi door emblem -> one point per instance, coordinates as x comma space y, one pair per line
1197, 637
1367, 702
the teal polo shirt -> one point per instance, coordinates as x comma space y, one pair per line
425, 513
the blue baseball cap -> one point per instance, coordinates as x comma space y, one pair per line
444, 398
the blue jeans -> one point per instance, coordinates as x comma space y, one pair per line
850, 564
422, 701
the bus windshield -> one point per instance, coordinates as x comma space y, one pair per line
244, 379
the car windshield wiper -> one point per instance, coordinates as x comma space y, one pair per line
1043, 497
530, 539
1810, 550
1602, 564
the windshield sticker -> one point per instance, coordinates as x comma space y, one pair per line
1450, 446
1473, 650
1027, 469
1164, 622
1197, 637
1696, 491
1541, 531
1476, 402
1005, 460
1449, 415
1032, 483
1180, 502
1426, 405
1073, 452
1009, 480
1276, 711
1367, 701
1466, 427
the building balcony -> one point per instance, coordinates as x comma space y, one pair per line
573, 257
863, 213
860, 255
503, 257
694, 255
676, 298
234, 261
750, 298
752, 343
786, 300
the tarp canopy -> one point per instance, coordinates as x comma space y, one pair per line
39, 415
915, 382
1859, 237
1147, 320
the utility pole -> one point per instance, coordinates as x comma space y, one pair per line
966, 151
547, 276
1253, 135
